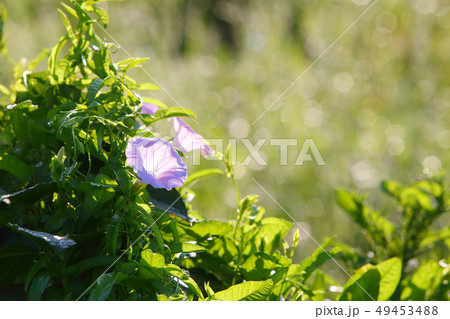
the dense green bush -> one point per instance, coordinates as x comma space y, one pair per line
77, 223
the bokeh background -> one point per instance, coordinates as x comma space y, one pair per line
377, 104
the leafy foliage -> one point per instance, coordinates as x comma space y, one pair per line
76, 222
419, 263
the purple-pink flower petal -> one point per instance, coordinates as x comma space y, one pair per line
147, 108
188, 140
156, 162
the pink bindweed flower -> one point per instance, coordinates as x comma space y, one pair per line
147, 108
156, 162
188, 140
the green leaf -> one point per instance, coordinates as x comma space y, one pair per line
102, 15
126, 64
201, 174
36, 267
193, 287
363, 286
318, 258
97, 197
380, 229
250, 290
154, 101
16, 261
246, 203
3, 15
205, 229
186, 248
147, 86
269, 236
15, 166
122, 178
378, 282
37, 287
67, 24
90, 263
431, 187
103, 287
318, 286
391, 187
173, 112
434, 237
347, 201
176, 271
44, 239
93, 90
30, 194
390, 272
424, 281
208, 289
259, 266
223, 248
153, 265
70, 10
168, 201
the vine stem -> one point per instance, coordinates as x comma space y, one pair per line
241, 213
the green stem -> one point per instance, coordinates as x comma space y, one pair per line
241, 213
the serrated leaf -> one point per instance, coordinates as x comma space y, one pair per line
93, 90
250, 290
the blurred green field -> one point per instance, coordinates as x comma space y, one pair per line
377, 104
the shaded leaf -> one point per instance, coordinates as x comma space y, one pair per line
168, 201
103, 287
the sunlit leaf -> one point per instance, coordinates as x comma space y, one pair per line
42, 238
250, 290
